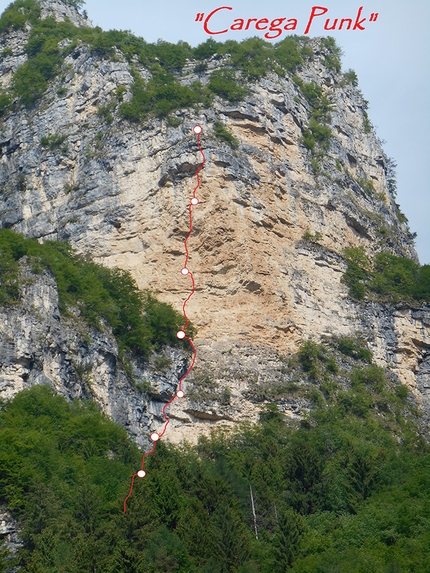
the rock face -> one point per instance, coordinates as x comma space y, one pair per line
9, 532
399, 337
39, 346
266, 249
62, 11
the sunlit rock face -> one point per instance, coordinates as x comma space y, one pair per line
267, 244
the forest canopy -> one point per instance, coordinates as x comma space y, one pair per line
347, 489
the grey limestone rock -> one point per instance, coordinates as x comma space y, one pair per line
118, 192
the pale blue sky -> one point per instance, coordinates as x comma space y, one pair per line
391, 57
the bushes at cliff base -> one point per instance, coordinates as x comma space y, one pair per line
346, 489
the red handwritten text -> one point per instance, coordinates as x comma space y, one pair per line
274, 28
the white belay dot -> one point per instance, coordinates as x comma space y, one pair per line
185, 271
180, 334
197, 129
180, 394
155, 436
141, 473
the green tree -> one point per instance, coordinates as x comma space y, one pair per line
288, 534
357, 272
421, 289
206, 49
224, 83
394, 275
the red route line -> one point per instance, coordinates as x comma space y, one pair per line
181, 334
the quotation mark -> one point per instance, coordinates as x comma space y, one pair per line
199, 17
373, 17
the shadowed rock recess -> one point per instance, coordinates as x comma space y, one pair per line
280, 201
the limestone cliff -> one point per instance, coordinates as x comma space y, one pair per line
268, 240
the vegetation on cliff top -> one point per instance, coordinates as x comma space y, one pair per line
252, 58
138, 320
163, 93
347, 489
